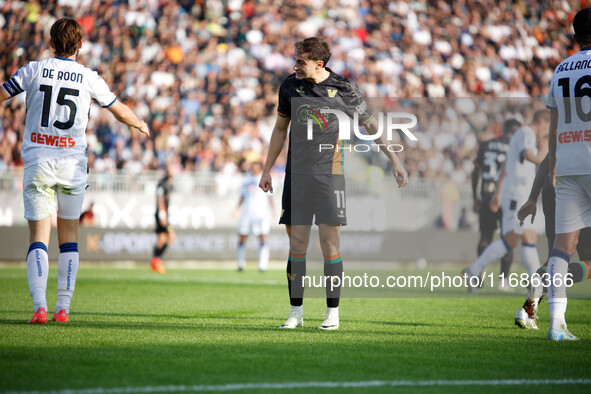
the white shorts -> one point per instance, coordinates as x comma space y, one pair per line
65, 177
510, 222
573, 203
253, 225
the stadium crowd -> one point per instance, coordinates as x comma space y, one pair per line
204, 74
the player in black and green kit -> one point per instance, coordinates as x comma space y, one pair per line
314, 183
166, 234
487, 167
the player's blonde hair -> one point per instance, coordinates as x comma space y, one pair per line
66, 33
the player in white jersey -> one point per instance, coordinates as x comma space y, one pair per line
527, 148
570, 163
58, 91
254, 218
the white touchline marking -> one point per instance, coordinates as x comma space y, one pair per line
303, 385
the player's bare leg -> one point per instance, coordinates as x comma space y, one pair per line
564, 247
330, 238
299, 237
38, 267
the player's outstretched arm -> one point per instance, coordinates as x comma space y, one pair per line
124, 114
4, 95
275, 146
529, 208
397, 168
539, 179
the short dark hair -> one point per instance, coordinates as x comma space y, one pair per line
582, 26
542, 114
315, 48
510, 126
66, 33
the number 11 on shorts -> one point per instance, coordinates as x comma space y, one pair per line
340, 194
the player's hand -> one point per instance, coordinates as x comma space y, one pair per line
143, 128
400, 175
529, 208
266, 183
495, 203
476, 207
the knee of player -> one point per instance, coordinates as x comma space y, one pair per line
298, 244
329, 245
567, 242
511, 240
529, 237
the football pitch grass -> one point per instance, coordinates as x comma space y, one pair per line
216, 330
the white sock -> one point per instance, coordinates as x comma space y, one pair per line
297, 309
332, 311
67, 269
557, 312
263, 257
530, 258
37, 273
241, 255
492, 253
557, 268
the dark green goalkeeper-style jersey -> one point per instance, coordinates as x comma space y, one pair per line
302, 100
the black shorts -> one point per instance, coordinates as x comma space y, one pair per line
584, 245
488, 219
160, 228
313, 198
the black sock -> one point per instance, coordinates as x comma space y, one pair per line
296, 270
333, 266
579, 271
159, 251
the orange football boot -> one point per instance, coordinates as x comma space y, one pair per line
39, 317
60, 317
157, 266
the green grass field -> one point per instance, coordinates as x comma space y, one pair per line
132, 329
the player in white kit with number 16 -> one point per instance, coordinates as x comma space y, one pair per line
58, 94
570, 161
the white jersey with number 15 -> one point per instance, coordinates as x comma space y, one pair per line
572, 80
59, 91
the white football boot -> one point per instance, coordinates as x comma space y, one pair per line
295, 319
331, 321
561, 335
524, 321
